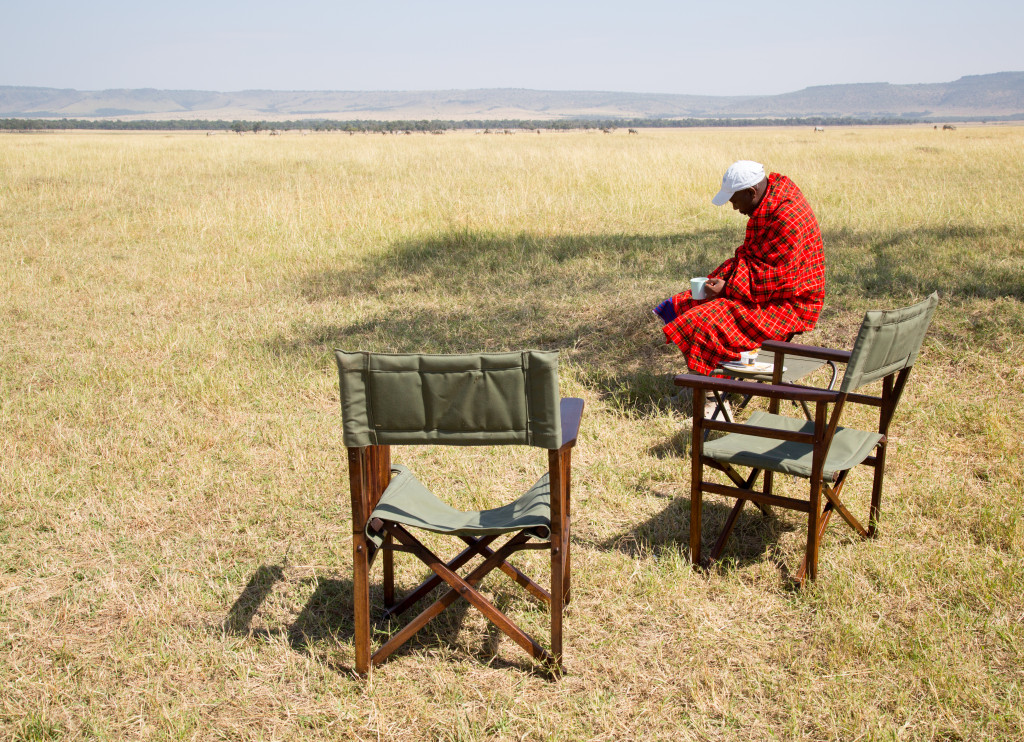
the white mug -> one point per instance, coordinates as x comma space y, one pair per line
697, 287
748, 357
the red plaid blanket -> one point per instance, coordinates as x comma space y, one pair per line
774, 284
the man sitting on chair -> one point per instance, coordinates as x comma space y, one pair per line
773, 286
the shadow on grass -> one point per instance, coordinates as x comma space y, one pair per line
466, 292
591, 296
486, 264
328, 618
753, 536
954, 259
958, 261
239, 619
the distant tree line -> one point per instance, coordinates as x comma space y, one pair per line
24, 124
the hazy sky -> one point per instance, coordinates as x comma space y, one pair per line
658, 46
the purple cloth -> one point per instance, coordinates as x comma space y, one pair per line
666, 310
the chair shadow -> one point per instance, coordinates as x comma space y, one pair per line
674, 447
238, 622
754, 537
327, 618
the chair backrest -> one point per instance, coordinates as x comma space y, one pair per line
458, 400
888, 342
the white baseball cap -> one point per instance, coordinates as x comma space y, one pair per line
741, 174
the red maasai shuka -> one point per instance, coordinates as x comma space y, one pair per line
774, 285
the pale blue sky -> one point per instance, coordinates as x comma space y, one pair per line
707, 48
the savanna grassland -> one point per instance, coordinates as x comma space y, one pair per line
174, 519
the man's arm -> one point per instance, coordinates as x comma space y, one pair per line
765, 261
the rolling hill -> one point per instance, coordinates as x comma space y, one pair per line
998, 95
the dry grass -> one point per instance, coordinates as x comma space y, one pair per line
173, 518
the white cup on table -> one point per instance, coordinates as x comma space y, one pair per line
748, 357
697, 287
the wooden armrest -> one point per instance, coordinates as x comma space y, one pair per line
773, 391
810, 351
571, 412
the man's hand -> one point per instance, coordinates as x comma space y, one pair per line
713, 288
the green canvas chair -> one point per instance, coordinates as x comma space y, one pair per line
455, 400
819, 450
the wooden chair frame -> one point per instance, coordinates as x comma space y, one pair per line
825, 425
369, 475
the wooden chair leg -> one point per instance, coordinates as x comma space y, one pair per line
567, 595
730, 523
359, 485
388, 564
876, 491
557, 598
696, 477
813, 532
361, 602
558, 467
826, 514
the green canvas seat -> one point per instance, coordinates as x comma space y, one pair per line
819, 450
407, 501
849, 448
486, 399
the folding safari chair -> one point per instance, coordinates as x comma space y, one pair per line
455, 400
819, 450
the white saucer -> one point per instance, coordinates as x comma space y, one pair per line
754, 368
